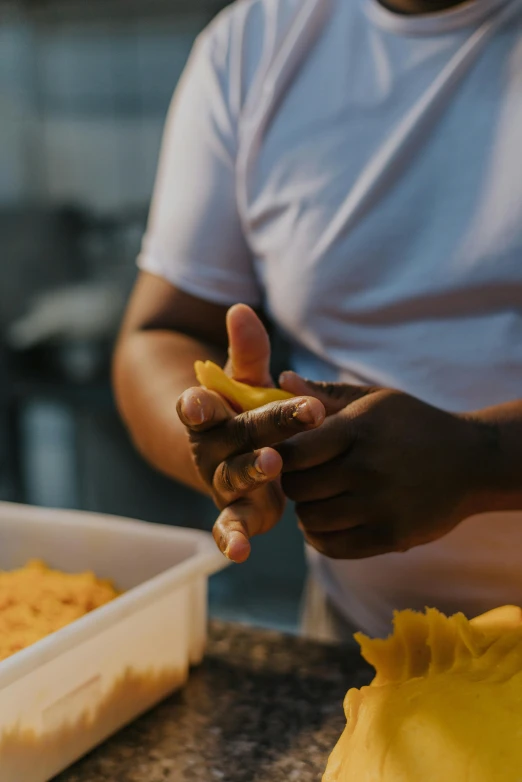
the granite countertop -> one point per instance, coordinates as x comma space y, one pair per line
263, 707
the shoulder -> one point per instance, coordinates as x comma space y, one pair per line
253, 18
246, 36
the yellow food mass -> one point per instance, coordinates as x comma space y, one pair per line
445, 704
240, 396
35, 601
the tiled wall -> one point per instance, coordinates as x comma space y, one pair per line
83, 104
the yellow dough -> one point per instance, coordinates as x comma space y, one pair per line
241, 396
445, 704
35, 601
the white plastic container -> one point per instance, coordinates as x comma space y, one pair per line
68, 692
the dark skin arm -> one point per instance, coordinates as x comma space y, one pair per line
164, 332
383, 473
190, 433
387, 472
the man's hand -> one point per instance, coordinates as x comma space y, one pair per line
385, 472
233, 453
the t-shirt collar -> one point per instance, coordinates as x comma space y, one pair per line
468, 14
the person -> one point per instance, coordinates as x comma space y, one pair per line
351, 171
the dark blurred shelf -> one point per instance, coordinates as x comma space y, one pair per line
89, 395
35, 375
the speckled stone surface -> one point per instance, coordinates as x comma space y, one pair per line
263, 707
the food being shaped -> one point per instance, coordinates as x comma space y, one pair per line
240, 396
445, 704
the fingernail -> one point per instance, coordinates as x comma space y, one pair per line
238, 550
304, 412
193, 410
259, 464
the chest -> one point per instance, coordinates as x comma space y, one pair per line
381, 180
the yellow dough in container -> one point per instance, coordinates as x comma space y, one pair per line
241, 396
36, 601
445, 704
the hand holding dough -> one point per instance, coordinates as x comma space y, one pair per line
239, 395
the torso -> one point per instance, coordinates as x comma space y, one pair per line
380, 184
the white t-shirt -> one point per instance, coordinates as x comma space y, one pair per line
359, 173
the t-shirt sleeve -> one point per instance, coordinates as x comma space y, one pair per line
194, 237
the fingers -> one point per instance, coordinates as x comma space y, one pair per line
357, 543
242, 474
335, 436
200, 409
263, 427
323, 482
334, 396
248, 516
339, 513
249, 347
216, 434
230, 533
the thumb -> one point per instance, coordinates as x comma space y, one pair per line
334, 396
249, 347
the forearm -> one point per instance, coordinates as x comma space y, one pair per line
498, 459
151, 370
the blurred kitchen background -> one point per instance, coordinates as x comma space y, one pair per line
84, 89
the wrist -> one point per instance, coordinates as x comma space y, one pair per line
492, 484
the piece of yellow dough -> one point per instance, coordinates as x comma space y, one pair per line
241, 396
445, 704
35, 601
